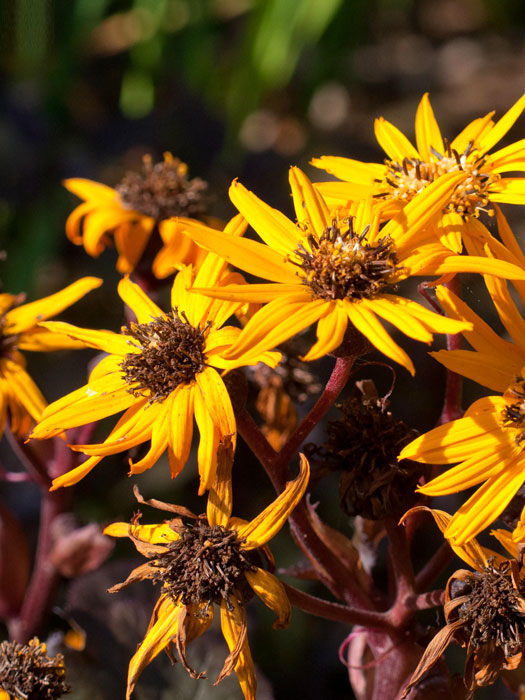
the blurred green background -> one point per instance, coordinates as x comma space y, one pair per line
236, 88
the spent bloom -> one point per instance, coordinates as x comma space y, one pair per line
207, 560
28, 673
163, 371
408, 171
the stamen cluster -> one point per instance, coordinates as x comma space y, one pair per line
494, 612
206, 565
171, 353
27, 672
342, 265
411, 176
514, 414
163, 190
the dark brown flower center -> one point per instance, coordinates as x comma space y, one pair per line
363, 445
163, 190
171, 352
206, 565
27, 672
493, 613
342, 265
410, 177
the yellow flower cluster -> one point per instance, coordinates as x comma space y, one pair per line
340, 264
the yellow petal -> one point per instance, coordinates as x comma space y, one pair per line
138, 301
74, 220
22, 318
98, 223
181, 428
279, 320
23, 388
506, 539
491, 137
208, 444
253, 257
450, 231
366, 323
469, 473
154, 534
91, 190
273, 594
483, 368
428, 134
351, 170
42, 340
217, 401
310, 208
393, 312
508, 158
107, 341
163, 628
508, 190
276, 230
393, 142
159, 440
507, 310
508, 237
456, 441
472, 132
487, 503
331, 329
102, 399
75, 475
219, 508
267, 524
255, 293
432, 321
233, 625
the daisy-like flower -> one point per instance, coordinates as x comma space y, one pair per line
489, 441
205, 560
408, 170
20, 398
131, 211
162, 371
484, 612
26, 671
338, 272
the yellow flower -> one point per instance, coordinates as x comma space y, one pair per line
338, 272
19, 330
132, 210
484, 612
488, 442
212, 559
162, 371
408, 170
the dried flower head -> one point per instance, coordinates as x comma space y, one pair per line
363, 445
207, 560
27, 673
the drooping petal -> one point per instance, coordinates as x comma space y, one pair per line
428, 134
366, 322
219, 508
107, 341
24, 388
75, 475
450, 228
393, 312
273, 594
159, 440
163, 628
217, 401
268, 523
233, 625
331, 329
24, 317
208, 444
181, 428
98, 223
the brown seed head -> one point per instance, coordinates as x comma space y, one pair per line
26, 672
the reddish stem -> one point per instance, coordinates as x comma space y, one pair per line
434, 566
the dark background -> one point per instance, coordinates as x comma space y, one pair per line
235, 88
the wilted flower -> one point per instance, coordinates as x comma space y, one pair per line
27, 673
